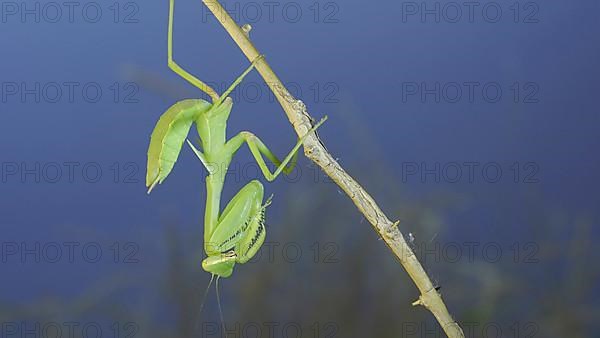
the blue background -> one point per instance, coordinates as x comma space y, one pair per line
356, 62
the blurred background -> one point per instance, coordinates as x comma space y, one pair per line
473, 123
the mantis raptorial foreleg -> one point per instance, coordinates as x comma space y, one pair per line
241, 226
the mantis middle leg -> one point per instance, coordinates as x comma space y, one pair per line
258, 148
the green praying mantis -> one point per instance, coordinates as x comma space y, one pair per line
236, 234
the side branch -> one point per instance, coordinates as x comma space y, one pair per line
296, 112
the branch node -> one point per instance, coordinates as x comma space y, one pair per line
390, 230
246, 28
418, 302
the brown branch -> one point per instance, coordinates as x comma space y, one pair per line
296, 112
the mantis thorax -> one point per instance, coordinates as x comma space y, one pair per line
211, 127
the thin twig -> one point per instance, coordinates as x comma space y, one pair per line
296, 112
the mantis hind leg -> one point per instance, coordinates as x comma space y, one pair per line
191, 78
180, 71
239, 79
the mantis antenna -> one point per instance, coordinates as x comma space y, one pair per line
197, 326
220, 309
